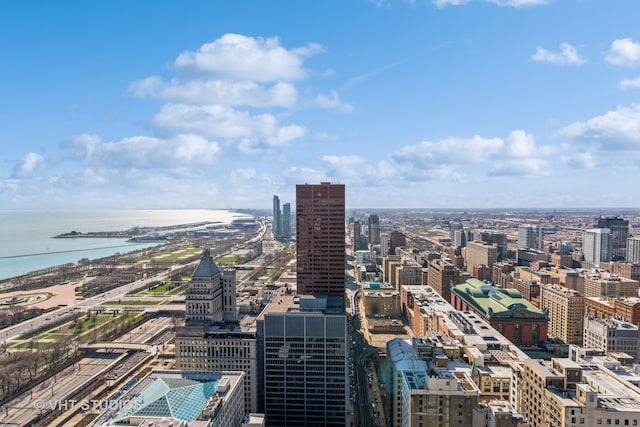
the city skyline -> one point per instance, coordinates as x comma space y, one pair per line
435, 104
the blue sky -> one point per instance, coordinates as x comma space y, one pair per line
425, 103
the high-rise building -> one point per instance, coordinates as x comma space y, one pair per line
355, 236
320, 238
304, 345
612, 336
203, 298
396, 240
633, 249
277, 218
597, 246
374, 229
619, 232
480, 253
459, 238
211, 339
453, 227
441, 277
424, 394
566, 313
530, 237
286, 221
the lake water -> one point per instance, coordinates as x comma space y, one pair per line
26, 242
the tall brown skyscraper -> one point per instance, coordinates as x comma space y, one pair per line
320, 238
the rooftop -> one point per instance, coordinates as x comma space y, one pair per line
495, 302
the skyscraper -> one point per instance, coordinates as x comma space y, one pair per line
619, 232
303, 357
374, 229
286, 221
530, 236
320, 238
302, 340
597, 246
277, 218
633, 249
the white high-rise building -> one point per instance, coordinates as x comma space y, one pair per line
530, 237
633, 250
597, 246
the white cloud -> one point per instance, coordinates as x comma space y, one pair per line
515, 155
344, 166
584, 160
333, 101
529, 167
142, 152
207, 92
630, 83
568, 55
510, 3
615, 130
325, 136
225, 122
238, 57
299, 175
31, 162
624, 52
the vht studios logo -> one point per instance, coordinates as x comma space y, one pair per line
85, 405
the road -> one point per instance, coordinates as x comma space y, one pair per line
55, 392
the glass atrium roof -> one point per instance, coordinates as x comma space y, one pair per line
177, 398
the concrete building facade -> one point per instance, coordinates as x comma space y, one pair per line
566, 313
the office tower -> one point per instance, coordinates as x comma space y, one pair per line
530, 237
206, 342
612, 336
480, 253
355, 236
203, 298
320, 238
566, 313
230, 312
383, 247
633, 250
277, 218
396, 240
459, 238
304, 346
492, 237
619, 232
374, 229
286, 221
453, 227
596, 246
441, 276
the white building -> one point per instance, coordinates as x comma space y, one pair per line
633, 250
612, 336
597, 246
